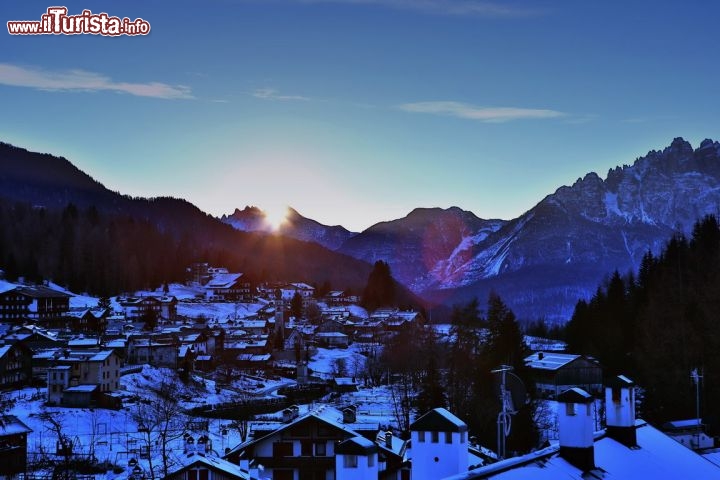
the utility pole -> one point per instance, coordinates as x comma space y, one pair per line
503, 419
697, 376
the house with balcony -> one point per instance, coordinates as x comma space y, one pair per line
322, 444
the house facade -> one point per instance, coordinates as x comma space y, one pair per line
13, 446
306, 448
15, 365
72, 369
13, 306
35, 302
556, 372
137, 308
229, 287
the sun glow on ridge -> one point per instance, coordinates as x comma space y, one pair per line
275, 216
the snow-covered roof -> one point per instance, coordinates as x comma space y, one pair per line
438, 420
4, 349
659, 456
101, 356
60, 367
346, 381
41, 291
329, 415
11, 425
396, 444
302, 286
81, 389
575, 395
549, 361
223, 280
250, 357
356, 446
683, 424
84, 342
330, 335
229, 469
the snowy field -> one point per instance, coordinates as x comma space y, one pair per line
330, 361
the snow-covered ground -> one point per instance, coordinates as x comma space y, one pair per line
113, 436
326, 361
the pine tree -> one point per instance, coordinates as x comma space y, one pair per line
296, 306
432, 392
380, 288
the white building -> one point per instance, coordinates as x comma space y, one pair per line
629, 449
439, 445
356, 459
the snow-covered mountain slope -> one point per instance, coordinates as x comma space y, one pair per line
426, 247
572, 239
252, 219
549, 257
559, 250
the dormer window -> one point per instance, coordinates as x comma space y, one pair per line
350, 461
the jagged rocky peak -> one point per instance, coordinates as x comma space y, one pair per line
679, 146
708, 143
249, 210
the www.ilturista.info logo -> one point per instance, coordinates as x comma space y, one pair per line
57, 22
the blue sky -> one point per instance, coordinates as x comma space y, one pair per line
358, 111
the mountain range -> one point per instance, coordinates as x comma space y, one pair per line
543, 261
33, 182
252, 219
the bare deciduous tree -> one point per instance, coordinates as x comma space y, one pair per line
161, 420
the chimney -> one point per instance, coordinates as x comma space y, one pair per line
189, 445
349, 414
576, 428
620, 410
388, 439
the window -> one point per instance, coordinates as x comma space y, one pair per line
282, 474
350, 461
448, 437
371, 460
320, 449
191, 475
282, 449
616, 394
306, 448
569, 409
421, 437
435, 437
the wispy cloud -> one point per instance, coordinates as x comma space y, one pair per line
81, 80
272, 94
443, 7
482, 114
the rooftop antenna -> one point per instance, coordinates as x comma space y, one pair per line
512, 394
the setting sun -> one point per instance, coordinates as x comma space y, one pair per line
275, 216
